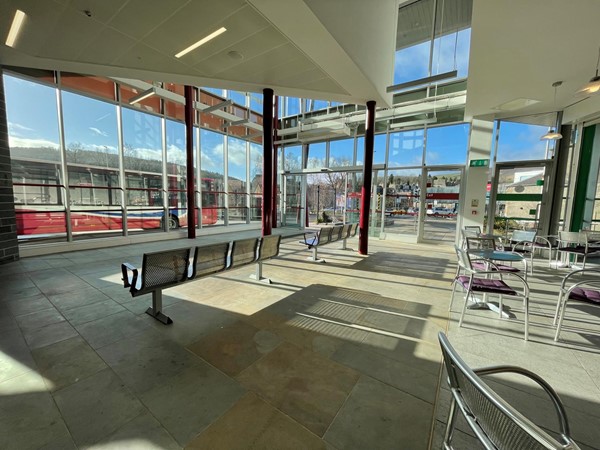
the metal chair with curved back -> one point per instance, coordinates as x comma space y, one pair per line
481, 282
587, 290
495, 422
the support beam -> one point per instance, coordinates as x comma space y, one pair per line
274, 165
365, 199
267, 198
189, 160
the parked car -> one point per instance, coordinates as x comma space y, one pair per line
441, 212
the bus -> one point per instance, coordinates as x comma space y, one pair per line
96, 199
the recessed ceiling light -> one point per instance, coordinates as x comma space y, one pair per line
517, 103
235, 55
15, 28
202, 41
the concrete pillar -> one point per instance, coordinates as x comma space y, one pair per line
9, 245
189, 157
365, 199
475, 186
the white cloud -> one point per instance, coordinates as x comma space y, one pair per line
17, 126
14, 141
98, 131
237, 152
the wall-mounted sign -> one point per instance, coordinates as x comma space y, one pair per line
479, 163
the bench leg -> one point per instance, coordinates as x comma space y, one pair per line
315, 257
156, 310
258, 274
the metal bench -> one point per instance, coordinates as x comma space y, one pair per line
161, 270
323, 236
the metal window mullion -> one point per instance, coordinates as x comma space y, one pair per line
226, 177
385, 178
165, 179
432, 45
63, 162
122, 179
248, 162
199, 182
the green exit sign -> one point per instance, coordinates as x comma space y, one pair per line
479, 163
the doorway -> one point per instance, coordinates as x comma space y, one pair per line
517, 196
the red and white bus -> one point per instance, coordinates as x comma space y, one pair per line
96, 199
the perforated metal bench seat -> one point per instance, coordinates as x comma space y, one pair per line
161, 270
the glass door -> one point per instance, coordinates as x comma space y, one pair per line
402, 202
292, 200
440, 205
517, 196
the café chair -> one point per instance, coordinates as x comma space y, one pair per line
475, 281
488, 243
586, 290
526, 243
575, 243
494, 421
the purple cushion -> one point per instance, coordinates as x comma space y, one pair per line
480, 265
578, 249
585, 295
486, 285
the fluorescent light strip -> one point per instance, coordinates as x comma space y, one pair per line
15, 28
202, 41
143, 96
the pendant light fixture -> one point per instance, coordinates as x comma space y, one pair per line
593, 86
552, 134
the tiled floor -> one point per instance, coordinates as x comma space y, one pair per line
341, 355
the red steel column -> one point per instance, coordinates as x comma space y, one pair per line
267, 197
365, 199
189, 160
274, 171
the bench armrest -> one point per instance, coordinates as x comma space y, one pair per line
127, 281
311, 238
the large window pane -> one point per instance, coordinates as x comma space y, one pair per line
256, 182
379, 149
316, 155
406, 148
236, 182
293, 158
176, 173
142, 156
521, 141
92, 164
34, 149
237, 97
447, 145
213, 174
341, 153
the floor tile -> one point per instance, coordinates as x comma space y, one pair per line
96, 406
28, 305
377, 416
305, 386
190, 401
81, 297
29, 419
39, 319
67, 362
147, 360
15, 355
88, 313
253, 423
235, 347
142, 433
49, 334
111, 329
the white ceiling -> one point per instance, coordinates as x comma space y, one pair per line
298, 48
519, 48
328, 49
